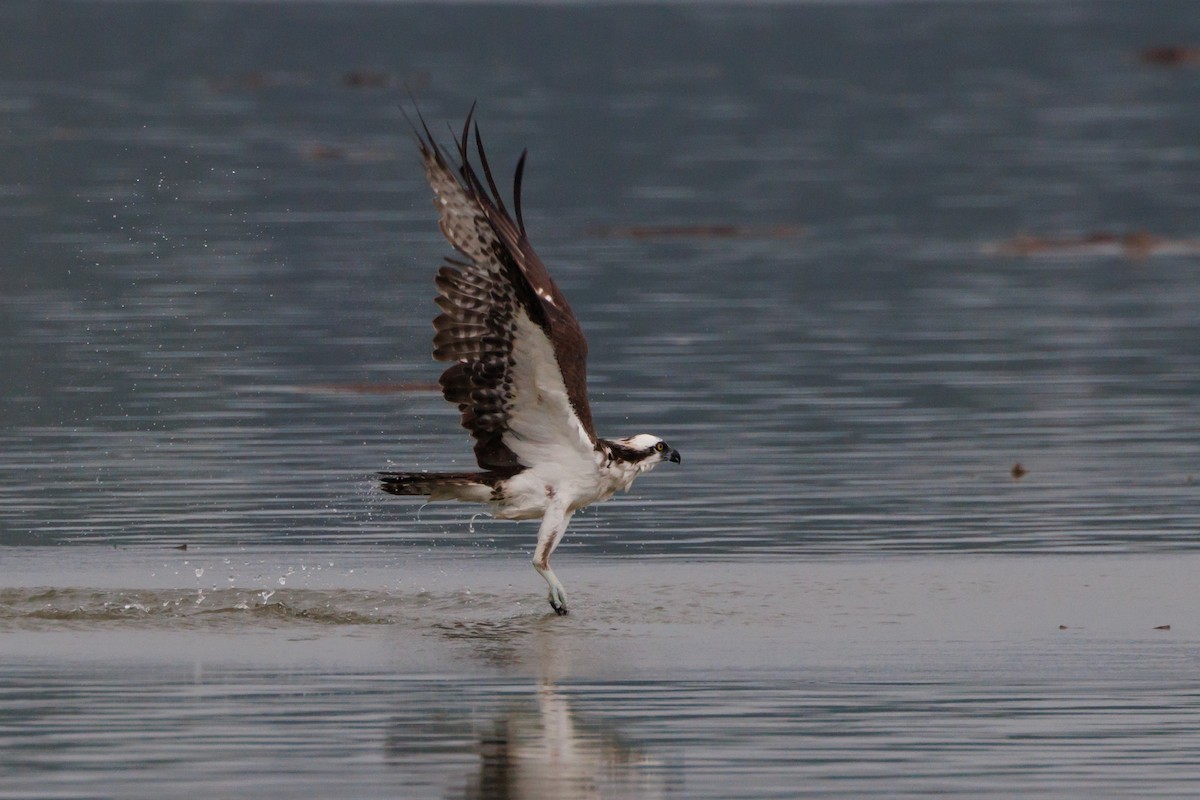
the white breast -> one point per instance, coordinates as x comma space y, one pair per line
527, 494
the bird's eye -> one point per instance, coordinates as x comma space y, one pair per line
660, 446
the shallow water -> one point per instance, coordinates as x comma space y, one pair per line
856, 261
686, 678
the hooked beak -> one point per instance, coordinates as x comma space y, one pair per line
675, 457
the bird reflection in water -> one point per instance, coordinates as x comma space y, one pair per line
537, 744
540, 750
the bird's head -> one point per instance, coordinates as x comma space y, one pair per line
645, 450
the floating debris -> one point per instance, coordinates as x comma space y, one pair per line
324, 152
1136, 245
256, 80
1062, 627
1170, 55
367, 79
1018, 471
714, 231
180, 547
1162, 627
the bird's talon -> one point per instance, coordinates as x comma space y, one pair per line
558, 601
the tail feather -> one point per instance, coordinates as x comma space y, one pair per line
473, 487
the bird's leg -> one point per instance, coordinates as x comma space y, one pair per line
554, 525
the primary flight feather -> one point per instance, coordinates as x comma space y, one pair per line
518, 368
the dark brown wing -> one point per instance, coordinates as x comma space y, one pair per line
520, 357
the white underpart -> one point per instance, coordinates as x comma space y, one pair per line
543, 430
564, 471
563, 465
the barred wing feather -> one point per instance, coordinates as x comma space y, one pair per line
519, 375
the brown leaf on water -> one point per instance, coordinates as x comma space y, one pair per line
324, 152
367, 79
1170, 55
1134, 245
255, 80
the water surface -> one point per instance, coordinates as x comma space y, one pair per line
856, 261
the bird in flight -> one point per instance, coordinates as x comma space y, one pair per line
518, 368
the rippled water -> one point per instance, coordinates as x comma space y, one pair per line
389, 736
441, 677
857, 261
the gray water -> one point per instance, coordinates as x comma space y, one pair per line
856, 261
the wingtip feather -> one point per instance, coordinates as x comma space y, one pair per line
517, 179
487, 171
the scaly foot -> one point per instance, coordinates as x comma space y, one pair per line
558, 600
558, 595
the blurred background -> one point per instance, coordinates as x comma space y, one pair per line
858, 261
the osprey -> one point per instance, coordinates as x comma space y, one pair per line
518, 370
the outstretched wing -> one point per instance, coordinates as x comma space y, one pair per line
519, 375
